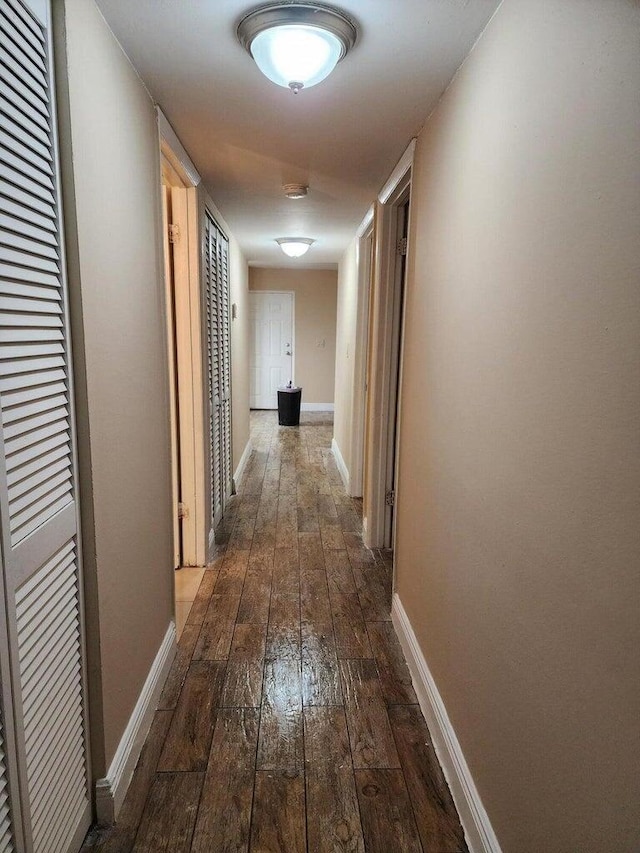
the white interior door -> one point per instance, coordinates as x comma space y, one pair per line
43, 691
271, 336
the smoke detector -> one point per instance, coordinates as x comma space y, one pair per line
295, 190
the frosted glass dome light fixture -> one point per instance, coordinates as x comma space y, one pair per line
294, 247
297, 45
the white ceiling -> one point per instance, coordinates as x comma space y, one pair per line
248, 137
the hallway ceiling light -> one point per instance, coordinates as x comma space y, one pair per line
295, 190
294, 247
297, 45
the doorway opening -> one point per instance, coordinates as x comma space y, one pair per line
384, 376
398, 296
184, 349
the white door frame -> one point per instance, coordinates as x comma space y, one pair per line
380, 419
364, 249
173, 391
186, 306
292, 294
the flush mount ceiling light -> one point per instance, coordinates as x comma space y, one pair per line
297, 45
295, 190
294, 247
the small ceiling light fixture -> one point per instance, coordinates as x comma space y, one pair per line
294, 247
295, 190
297, 44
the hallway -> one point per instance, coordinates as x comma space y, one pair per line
288, 721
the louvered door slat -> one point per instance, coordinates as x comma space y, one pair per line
24, 488
28, 50
35, 81
43, 463
50, 321
24, 111
64, 646
24, 418
26, 522
38, 365
47, 348
27, 89
31, 218
59, 731
12, 334
41, 380
31, 594
52, 706
25, 449
17, 16
24, 184
24, 290
37, 498
52, 818
29, 397
28, 247
23, 15
17, 229
55, 719
13, 139
29, 444
6, 834
35, 276
50, 815
27, 501
23, 127
19, 158
33, 435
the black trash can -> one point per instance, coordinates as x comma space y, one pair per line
289, 406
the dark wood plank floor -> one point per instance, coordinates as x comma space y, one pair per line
288, 722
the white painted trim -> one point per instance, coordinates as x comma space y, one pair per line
317, 407
364, 268
110, 791
366, 223
344, 471
384, 394
187, 270
170, 137
242, 464
401, 169
478, 830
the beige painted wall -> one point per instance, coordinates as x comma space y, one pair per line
345, 350
112, 184
315, 320
518, 514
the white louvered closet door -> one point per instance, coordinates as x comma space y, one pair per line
44, 703
218, 366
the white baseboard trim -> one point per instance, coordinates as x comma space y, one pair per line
344, 471
478, 830
317, 407
111, 790
242, 464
